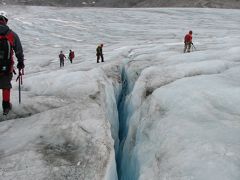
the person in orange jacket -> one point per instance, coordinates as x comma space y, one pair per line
188, 42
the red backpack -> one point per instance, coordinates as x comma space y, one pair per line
72, 55
6, 52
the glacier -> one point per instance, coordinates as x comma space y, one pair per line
149, 112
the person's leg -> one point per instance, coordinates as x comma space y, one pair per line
5, 84
185, 47
6, 95
102, 58
189, 47
98, 57
6, 105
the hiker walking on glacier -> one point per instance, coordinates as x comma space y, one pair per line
188, 42
62, 57
71, 55
99, 53
9, 43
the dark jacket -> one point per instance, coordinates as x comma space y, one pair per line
99, 51
5, 79
17, 43
61, 57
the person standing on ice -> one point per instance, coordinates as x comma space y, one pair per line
62, 57
9, 43
71, 55
188, 42
99, 53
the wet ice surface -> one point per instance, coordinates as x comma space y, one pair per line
180, 118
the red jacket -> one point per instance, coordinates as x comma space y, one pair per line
71, 55
188, 38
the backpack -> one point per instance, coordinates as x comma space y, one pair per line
5, 53
72, 55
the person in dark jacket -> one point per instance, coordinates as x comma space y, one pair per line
99, 53
62, 57
188, 42
6, 76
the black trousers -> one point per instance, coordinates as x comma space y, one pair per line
100, 56
61, 62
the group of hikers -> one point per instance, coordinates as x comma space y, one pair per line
71, 55
10, 44
62, 57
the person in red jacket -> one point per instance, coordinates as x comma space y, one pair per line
10, 43
71, 55
187, 42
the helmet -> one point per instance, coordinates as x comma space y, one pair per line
190, 32
3, 14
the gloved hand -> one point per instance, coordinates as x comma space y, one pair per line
20, 65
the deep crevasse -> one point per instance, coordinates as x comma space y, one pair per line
125, 168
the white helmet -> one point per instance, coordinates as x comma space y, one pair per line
3, 14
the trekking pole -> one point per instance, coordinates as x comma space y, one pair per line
19, 88
20, 82
22, 76
194, 47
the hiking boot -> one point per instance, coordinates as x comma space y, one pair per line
6, 111
7, 106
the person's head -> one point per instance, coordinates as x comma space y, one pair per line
70, 50
61, 52
190, 32
101, 45
3, 17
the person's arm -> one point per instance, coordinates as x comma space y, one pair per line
97, 50
18, 51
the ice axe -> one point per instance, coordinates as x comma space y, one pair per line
20, 82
